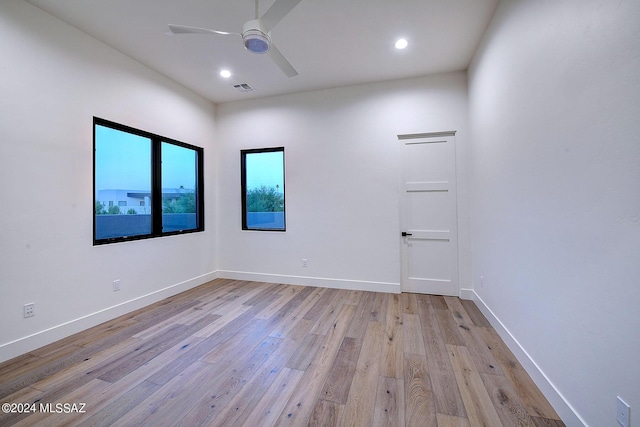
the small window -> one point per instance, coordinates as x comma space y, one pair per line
162, 177
263, 197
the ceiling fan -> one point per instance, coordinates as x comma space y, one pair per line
256, 33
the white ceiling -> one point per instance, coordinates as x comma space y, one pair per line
331, 43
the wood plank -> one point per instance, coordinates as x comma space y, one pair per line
120, 406
445, 389
326, 414
438, 302
478, 404
389, 408
306, 352
235, 375
326, 318
87, 365
205, 346
101, 336
239, 408
420, 408
17, 366
291, 315
201, 394
77, 396
132, 383
475, 314
507, 403
266, 292
546, 422
360, 405
336, 387
150, 367
24, 395
448, 327
148, 349
321, 304
294, 304
392, 364
410, 303
303, 400
251, 335
481, 355
43, 370
352, 297
229, 316
452, 421
412, 335
523, 385
379, 308
190, 382
266, 412
362, 316
286, 295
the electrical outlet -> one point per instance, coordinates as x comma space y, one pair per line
482, 281
304, 262
623, 412
30, 309
116, 285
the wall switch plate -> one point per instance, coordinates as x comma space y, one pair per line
623, 412
30, 309
116, 285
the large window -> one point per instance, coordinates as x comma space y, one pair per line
145, 185
263, 206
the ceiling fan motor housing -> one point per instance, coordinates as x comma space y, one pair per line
254, 38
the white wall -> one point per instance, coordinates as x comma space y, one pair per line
555, 172
53, 80
342, 176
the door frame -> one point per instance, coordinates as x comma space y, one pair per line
453, 232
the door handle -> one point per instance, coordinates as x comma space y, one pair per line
405, 234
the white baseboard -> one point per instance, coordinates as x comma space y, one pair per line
31, 342
467, 294
556, 399
353, 285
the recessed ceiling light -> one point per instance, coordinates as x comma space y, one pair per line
401, 44
225, 73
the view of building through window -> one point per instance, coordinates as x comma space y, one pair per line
125, 184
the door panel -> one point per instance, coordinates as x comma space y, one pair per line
428, 214
429, 258
425, 210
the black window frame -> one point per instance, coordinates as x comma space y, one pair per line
243, 187
156, 184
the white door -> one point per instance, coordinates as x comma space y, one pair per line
428, 214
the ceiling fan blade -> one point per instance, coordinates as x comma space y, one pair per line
276, 12
278, 58
185, 29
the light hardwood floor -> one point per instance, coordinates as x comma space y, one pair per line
234, 353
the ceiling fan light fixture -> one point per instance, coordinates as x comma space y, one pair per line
401, 43
256, 41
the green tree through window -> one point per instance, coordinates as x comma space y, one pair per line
263, 195
265, 199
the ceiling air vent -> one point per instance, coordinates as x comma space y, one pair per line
244, 87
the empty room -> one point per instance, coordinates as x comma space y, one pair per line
303, 212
